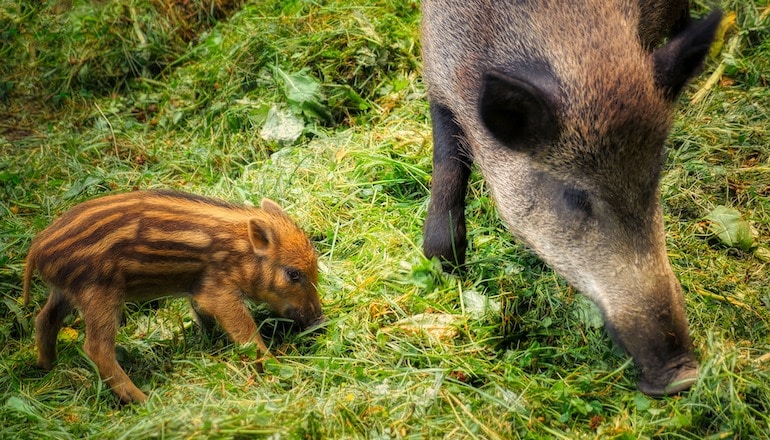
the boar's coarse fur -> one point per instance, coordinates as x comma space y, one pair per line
146, 244
565, 107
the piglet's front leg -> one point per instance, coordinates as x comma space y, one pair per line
232, 314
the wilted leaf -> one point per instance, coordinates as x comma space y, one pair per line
726, 25
68, 334
762, 254
282, 126
438, 325
731, 229
476, 304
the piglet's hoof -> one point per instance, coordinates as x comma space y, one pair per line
260, 362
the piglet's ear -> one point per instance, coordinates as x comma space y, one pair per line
516, 111
681, 58
272, 207
260, 235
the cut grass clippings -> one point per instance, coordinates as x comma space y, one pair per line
320, 106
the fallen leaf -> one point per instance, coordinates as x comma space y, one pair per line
441, 326
476, 305
727, 25
303, 92
762, 254
731, 229
282, 126
68, 334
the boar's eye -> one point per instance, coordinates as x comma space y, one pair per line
294, 275
578, 200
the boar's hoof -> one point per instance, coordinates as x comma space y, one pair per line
448, 246
452, 257
681, 380
44, 365
450, 263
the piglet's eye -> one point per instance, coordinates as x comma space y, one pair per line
294, 275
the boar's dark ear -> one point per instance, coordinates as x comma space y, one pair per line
681, 58
260, 235
272, 207
516, 111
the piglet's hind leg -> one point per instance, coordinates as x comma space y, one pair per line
101, 319
47, 326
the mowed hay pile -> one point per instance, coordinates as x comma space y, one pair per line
69, 47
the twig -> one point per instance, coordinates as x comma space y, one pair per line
763, 15
489, 432
765, 357
717, 74
112, 132
732, 301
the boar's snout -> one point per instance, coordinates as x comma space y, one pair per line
677, 378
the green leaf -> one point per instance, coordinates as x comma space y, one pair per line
356, 98
278, 369
588, 313
731, 229
24, 408
642, 403
303, 92
12, 178
81, 186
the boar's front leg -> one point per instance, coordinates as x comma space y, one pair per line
445, 225
101, 314
227, 307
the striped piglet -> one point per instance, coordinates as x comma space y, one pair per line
147, 244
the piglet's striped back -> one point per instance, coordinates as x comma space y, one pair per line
137, 236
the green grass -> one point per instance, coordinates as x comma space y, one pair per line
87, 108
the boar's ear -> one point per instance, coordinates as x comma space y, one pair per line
516, 111
270, 206
260, 235
681, 58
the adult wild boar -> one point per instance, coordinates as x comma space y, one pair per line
565, 107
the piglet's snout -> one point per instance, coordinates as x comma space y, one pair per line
306, 319
316, 322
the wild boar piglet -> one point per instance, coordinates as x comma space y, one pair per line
147, 244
